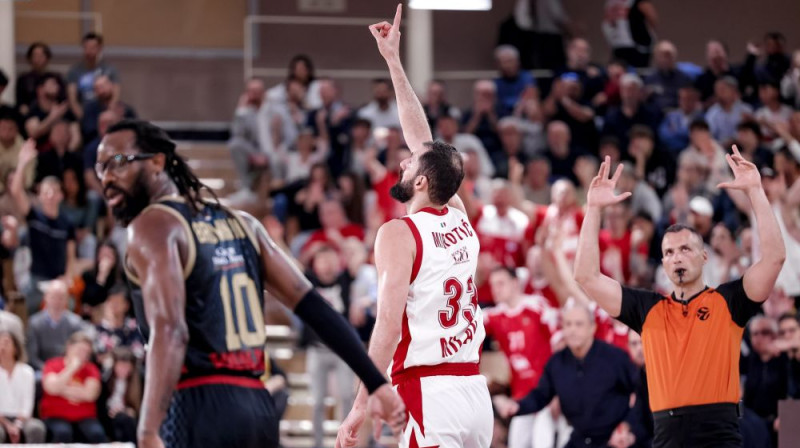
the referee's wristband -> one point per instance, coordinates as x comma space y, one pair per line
339, 335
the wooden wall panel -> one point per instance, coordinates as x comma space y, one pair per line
51, 30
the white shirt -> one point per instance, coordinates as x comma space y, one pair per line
17, 391
389, 118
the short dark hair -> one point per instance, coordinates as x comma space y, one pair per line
46, 77
699, 124
609, 140
444, 168
508, 270
32, 47
677, 228
362, 122
386, 81
91, 35
641, 131
750, 125
789, 316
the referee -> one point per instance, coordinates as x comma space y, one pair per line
691, 338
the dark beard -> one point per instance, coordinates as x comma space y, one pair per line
133, 203
402, 191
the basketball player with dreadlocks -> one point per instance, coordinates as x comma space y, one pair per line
197, 271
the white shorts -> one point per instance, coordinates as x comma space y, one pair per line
447, 412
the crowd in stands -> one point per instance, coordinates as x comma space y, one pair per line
318, 171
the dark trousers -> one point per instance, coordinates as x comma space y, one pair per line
711, 425
123, 428
62, 431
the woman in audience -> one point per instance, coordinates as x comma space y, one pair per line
116, 329
121, 399
17, 394
97, 282
80, 211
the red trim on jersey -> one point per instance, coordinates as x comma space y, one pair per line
401, 352
434, 211
418, 241
252, 383
411, 393
446, 369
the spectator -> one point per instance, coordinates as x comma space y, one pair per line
628, 27
303, 210
615, 242
663, 84
447, 131
476, 186
586, 168
717, 68
560, 153
512, 145
103, 100
10, 146
335, 228
38, 56
729, 111
333, 283
11, 323
776, 62
117, 329
51, 235
673, 133
360, 141
725, 258
436, 104
49, 109
536, 30
704, 144
283, 121
772, 110
383, 178
4, 109
49, 329
382, 110
564, 104
523, 326
71, 387
301, 68
106, 119
643, 197
352, 192
82, 210
593, 381
748, 140
363, 288
307, 152
631, 111
642, 416
789, 341
59, 157
17, 394
481, 119
246, 143
610, 96
690, 180
82, 75
536, 185
790, 84
332, 123
512, 82
501, 227
121, 397
99, 281
653, 165
579, 61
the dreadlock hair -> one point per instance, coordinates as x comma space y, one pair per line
152, 139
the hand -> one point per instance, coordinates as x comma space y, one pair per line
388, 36
622, 437
150, 440
505, 406
745, 174
384, 405
112, 412
347, 435
515, 171
28, 152
601, 190
58, 110
74, 363
753, 49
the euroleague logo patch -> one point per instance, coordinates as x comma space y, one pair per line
703, 313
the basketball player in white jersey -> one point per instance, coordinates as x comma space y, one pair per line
429, 327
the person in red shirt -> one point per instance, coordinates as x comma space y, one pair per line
523, 327
501, 226
383, 178
563, 213
71, 388
335, 229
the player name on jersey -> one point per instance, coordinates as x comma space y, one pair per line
446, 239
221, 230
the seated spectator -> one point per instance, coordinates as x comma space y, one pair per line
117, 329
121, 397
564, 104
789, 342
335, 228
725, 260
436, 104
615, 242
631, 111
729, 111
748, 140
106, 120
481, 119
772, 110
586, 167
703, 143
717, 67
765, 371
11, 323
104, 91
476, 184
82, 75
17, 394
331, 123
512, 146
59, 157
97, 282
383, 178
283, 120
307, 152
512, 82
579, 61
501, 227
609, 96
653, 165
71, 387
304, 207
246, 135
673, 133
382, 110
49, 109
10, 145
643, 197
663, 84
447, 131
352, 192
360, 141
775, 62
51, 235
790, 84
560, 153
536, 184
82, 210
301, 68
38, 57
49, 329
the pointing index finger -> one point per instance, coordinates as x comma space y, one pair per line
397, 16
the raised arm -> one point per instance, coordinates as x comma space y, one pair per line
412, 117
604, 290
17, 188
159, 268
759, 279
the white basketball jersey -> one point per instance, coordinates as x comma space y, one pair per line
442, 322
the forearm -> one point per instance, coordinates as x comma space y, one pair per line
412, 116
769, 233
164, 362
534, 402
381, 349
57, 383
587, 258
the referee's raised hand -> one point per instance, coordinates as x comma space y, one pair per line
601, 191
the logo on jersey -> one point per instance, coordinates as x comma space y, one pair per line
226, 258
703, 313
444, 240
460, 256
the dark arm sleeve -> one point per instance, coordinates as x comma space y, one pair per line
636, 303
540, 397
740, 306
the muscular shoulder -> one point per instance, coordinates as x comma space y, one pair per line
395, 240
155, 225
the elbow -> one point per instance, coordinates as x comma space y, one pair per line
172, 332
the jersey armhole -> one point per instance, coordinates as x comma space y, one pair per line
248, 230
191, 254
418, 241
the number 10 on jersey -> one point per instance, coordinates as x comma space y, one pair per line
239, 334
